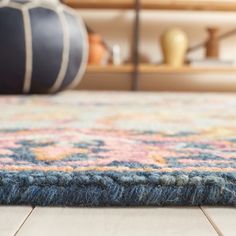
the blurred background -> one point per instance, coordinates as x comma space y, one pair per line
156, 45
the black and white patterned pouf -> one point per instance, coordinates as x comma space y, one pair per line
43, 47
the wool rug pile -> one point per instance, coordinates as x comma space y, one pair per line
118, 149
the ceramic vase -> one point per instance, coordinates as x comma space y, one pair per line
174, 44
212, 45
97, 51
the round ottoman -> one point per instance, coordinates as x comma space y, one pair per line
43, 47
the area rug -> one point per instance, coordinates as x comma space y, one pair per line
118, 149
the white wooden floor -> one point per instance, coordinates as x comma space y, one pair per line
25, 221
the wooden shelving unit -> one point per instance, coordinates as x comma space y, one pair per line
110, 69
135, 68
186, 5
195, 5
159, 69
147, 68
101, 4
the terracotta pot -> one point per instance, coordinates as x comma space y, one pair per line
97, 51
174, 46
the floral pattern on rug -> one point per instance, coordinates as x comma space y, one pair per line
142, 132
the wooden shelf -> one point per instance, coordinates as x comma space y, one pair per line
101, 4
195, 5
110, 69
159, 69
145, 68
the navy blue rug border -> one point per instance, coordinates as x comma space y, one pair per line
93, 188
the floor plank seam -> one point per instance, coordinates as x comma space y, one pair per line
211, 221
24, 221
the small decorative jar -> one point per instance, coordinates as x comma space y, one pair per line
97, 51
212, 45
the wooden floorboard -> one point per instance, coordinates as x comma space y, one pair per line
223, 218
12, 218
117, 221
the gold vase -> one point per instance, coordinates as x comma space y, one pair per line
174, 44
